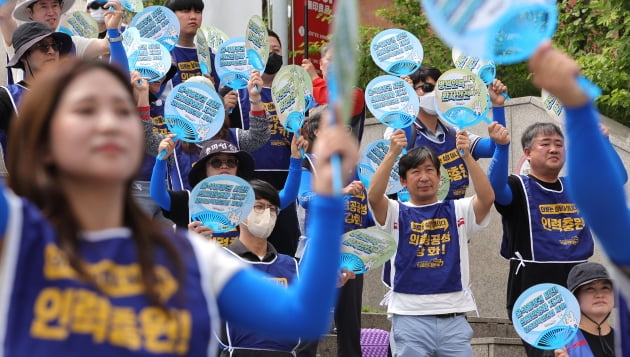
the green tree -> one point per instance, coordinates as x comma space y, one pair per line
595, 32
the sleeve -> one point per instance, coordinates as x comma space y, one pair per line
117, 54
303, 309
594, 182
257, 135
390, 220
320, 91
305, 192
484, 147
289, 192
498, 175
157, 186
464, 209
81, 44
4, 210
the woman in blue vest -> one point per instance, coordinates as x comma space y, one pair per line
85, 272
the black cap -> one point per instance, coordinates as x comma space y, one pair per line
585, 273
30, 33
245, 161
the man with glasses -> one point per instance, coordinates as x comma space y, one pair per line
253, 247
49, 12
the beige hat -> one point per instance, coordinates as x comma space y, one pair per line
20, 10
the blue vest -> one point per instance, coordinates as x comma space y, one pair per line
283, 269
449, 158
226, 238
427, 260
53, 313
187, 62
557, 231
356, 212
276, 153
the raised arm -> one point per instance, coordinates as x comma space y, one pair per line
378, 183
484, 196
485, 146
289, 192
7, 22
259, 126
157, 187
593, 179
302, 309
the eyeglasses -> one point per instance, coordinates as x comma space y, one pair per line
260, 207
426, 87
95, 6
44, 47
217, 163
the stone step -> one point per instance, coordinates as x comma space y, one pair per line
497, 347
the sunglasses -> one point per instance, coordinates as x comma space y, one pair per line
44, 47
218, 163
95, 6
426, 87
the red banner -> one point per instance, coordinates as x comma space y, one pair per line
318, 21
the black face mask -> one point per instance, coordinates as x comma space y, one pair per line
274, 62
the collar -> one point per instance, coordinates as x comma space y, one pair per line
241, 250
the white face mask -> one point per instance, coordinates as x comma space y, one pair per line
260, 224
98, 15
427, 103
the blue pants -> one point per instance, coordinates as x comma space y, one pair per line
430, 336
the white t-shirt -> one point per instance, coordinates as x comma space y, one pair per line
434, 304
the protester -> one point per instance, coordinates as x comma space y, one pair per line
37, 47
320, 91
252, 247
356, 216
86, 272
544, 234
430, 272
273, 158
592, 287
596, 176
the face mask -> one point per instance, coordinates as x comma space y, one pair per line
260, 224
98, 15
427, 103
274, 62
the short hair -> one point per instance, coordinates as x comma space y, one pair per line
178, 5
532, 131
423, 73
271, 33
415, 157
265, 191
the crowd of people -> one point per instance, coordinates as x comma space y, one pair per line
100, 255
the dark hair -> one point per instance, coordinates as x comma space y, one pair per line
312, 123
532, 131
264, 190
423, 73
34, 178
271, 33
415, 157
178, 5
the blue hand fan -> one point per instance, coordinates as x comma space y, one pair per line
158, 23
352, 263
546, 316
365, 249
232, 63
221, 202
397, 52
